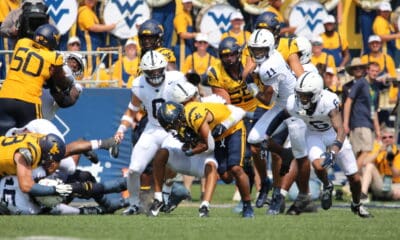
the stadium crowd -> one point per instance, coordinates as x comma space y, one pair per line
262, 98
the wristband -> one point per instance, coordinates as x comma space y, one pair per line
338, 144
189, 152
127, 118
133, 108
122, 128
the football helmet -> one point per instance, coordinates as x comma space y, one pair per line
52, 148
304, 46
153, 65
227, 48
150, 35
171, 115
261, 45
308, 89
181, 92
48, 36
77, 63
269, 21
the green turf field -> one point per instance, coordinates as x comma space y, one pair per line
337, 223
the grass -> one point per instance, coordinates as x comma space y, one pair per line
184, 223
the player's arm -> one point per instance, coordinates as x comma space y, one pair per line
337, 123
295, 65
223, 93
266, 95
346, 114
128, 119
207, 141
62, 87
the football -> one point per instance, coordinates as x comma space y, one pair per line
49, 201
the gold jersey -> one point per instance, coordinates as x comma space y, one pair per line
10, 145
238, 92
29, 70
196, 113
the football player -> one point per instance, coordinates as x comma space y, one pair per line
149, 90
34, 64
207, 121
21, 153
325, 137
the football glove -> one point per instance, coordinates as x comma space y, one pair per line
328, 159
64, 189
218, 130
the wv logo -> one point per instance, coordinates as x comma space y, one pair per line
55, 12
310, 16
220, 19
127, 10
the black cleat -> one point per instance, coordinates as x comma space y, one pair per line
326, 197
360, 210
155, 208
111, 145
263, 194
92, 156
203, 211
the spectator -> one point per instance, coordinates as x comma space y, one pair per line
275, 7
126, 69
359, 115
236, 31
366, 15
91, 32
382, 175
74, 44
385, 30
319, 56
165, 15
184, 27
384, 60
334, 43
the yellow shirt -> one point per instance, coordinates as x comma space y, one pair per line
87, 18
238, 92
6, 7
28, 71
129, 66
196, 112
383, 60
10, 145
198, 64
182, 21
335, 41
241, 37
326, 59
383, 165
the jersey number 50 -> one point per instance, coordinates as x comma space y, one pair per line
30, 62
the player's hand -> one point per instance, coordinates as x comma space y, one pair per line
218, 130
328, 159
63, 189
119, 136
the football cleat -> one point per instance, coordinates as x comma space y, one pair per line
326, 197
131, 210
111, 145
203, 211
263, 194
277, 203
302, 206
178, 194
92, 156
248, 211
360, 210
91, 210
155, 208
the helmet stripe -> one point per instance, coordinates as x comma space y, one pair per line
302, 80
183, 90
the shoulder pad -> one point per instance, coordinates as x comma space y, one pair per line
27, 155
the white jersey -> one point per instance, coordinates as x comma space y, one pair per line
319, 120
276, 73
152, 97
309, 67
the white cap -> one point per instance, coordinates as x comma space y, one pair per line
201, 37
316, 39
236, 15
186, 1
329, 19
385, 6
330, 70
374, 38
73, 39
130, 41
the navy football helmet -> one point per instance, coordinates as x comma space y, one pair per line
52, 147
171, 115
229, 51
150, 35
269, 21
48, 36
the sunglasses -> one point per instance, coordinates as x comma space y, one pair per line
202, 42
385, 137
75, 44
358, 68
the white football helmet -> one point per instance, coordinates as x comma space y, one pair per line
304, 46
261, 45
153, 65
308, 89
181, 92
78, 66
